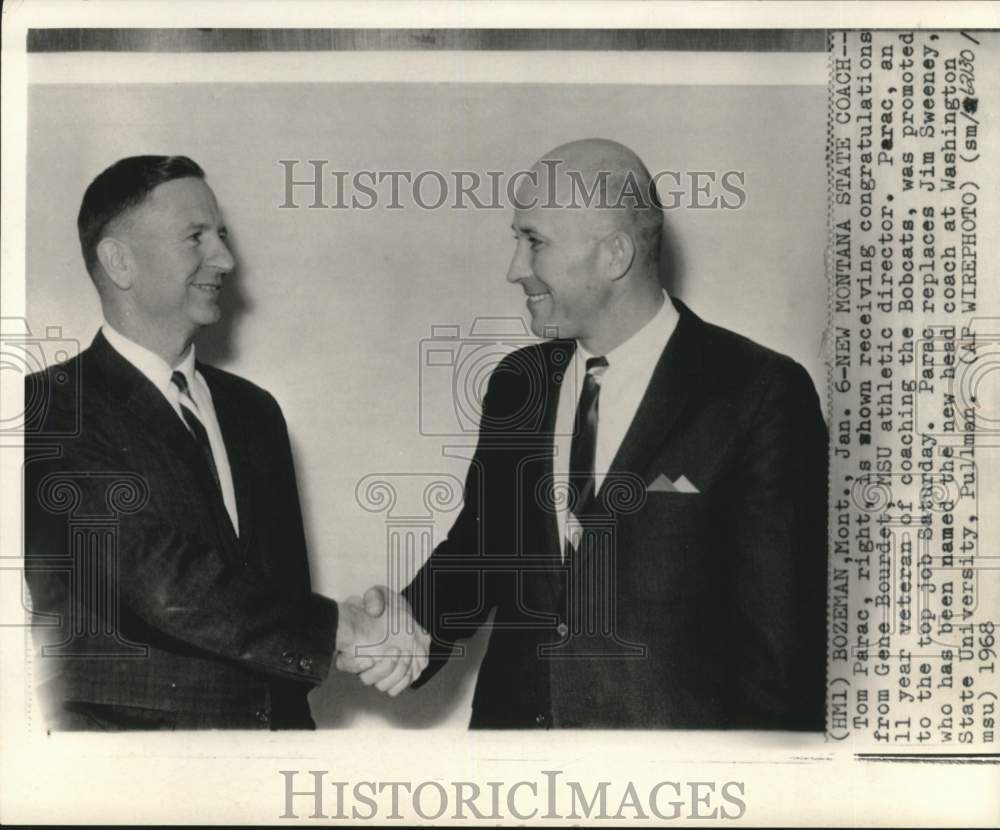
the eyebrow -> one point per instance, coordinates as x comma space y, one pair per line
526, 229
204, 226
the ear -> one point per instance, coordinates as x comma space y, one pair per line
620, 250
116, 260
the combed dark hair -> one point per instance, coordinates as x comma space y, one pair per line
122, 186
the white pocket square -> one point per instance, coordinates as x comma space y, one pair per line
662, 484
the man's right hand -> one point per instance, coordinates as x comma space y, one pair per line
379, 640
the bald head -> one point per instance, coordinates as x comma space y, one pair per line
606, 188
587, 224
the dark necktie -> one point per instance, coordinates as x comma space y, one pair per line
189, 409
584, 445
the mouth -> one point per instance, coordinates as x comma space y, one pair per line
535, 299
207, 287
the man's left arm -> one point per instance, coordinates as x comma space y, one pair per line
778, 548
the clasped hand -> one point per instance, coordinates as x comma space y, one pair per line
379, 640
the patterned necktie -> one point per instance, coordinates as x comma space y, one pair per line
189, 409
584, 446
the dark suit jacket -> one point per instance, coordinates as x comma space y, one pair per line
147, 598
697, 610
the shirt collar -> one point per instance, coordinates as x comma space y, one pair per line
150, 364
648, 342
186, 366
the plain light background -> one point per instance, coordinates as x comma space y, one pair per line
332, 310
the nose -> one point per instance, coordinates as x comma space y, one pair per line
520, 264
221, 257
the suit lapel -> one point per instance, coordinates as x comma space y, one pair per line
143, 400
147, 405
558, 358
558, 362
666, 399
670, 388
238, 449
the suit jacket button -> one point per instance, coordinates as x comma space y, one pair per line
306, 664
262, 716
562, 629
287, 658
541, 720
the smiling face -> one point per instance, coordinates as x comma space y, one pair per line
558, 262
179, 257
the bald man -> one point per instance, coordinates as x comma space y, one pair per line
645, 514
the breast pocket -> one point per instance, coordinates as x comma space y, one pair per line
669, 545
677, 509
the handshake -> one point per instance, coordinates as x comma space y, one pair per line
379, 640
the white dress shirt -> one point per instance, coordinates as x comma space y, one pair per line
157, 370
623, 383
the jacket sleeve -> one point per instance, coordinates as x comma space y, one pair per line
452, 595
777, 542
179, 585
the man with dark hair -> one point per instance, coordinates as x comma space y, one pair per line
645, 515
165, 550
122, 186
